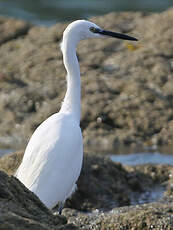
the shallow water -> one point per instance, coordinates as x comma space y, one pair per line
129, 159
143, 158
43, 12
154, 194
5, 151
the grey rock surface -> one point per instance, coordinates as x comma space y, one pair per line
20, 209
156, 216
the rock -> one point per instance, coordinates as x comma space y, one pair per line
12, 29
106, 191
126, 87
104, 184
10, 162
156, 215
21, 209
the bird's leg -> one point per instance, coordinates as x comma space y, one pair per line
60, 208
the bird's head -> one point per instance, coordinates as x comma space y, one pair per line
82, 29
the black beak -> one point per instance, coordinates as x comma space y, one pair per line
116, 35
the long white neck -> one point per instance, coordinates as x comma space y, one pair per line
72, 100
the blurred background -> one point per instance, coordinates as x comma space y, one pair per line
32, 84
43, 12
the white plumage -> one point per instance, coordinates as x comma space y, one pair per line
53, 157
52, 160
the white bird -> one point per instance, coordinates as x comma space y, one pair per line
53, 157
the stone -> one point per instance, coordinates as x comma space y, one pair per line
21, 209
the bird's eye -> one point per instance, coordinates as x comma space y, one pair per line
93, 29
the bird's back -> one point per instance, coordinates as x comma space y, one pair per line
53, 159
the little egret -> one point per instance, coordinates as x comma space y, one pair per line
53, 157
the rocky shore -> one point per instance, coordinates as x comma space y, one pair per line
20, 209
127, 99
127, 88
109, 196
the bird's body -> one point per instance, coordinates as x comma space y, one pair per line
53, 157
